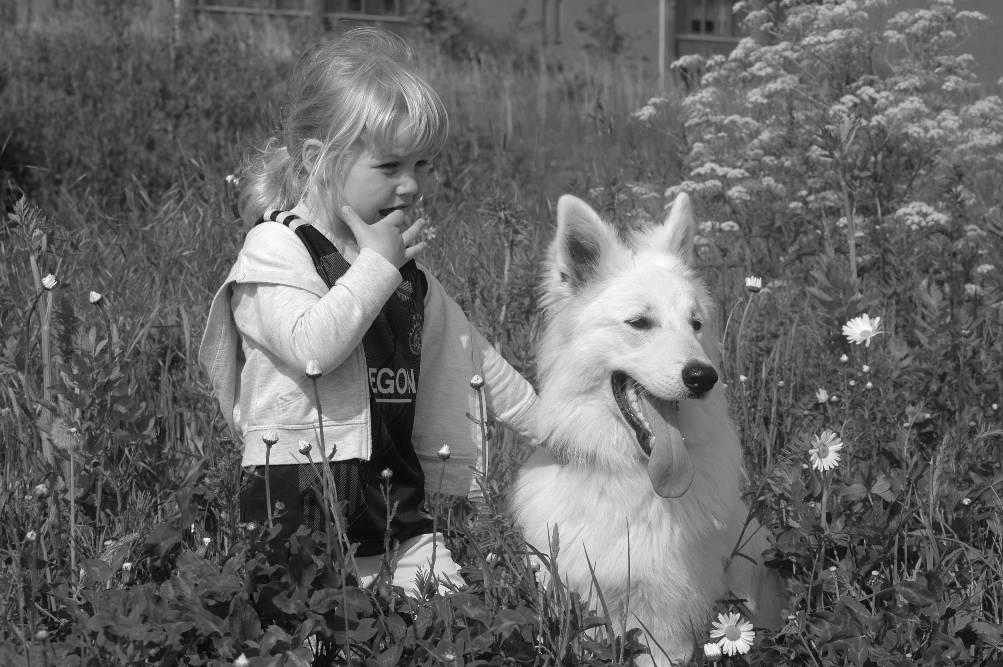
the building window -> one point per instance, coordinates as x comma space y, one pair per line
706, 17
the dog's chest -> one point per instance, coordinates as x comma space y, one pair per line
677, 544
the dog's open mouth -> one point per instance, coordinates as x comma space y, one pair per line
655, 423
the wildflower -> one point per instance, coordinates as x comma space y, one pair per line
42, 635
305, 447
712, 651
269, 438
966, 501
742, 378
49, 282
753, 283
31, 536
95, 298
852, 383
984, 268
41, 490
821, 395
736, 634
241, 661
232, 180
995, 406
729, 226
865, 368
824, 451
386, 473
477, 382
869, 385
444, 452
206, 540
127, 566
781, 383
862, 329
843, 358
313, 369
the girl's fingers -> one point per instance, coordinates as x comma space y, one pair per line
413, 232
410, 252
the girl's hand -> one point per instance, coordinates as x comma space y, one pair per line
391, 237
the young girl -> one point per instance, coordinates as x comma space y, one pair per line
326, 283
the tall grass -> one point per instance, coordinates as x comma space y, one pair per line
120, 142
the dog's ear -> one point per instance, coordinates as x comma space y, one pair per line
677, 233
583, 240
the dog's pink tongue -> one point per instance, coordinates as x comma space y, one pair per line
669, 465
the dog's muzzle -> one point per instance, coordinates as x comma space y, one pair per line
655, 423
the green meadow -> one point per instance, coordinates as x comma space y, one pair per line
827, 188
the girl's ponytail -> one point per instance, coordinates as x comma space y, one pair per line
270, 180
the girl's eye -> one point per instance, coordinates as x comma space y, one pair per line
424, 166
388, 166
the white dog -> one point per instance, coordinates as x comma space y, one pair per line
640, 447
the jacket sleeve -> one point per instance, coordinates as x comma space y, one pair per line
510, 398
276, 302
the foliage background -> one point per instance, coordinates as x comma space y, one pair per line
849, 181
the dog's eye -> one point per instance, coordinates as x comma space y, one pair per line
696, 323
640, 322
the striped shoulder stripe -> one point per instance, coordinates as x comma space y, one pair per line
283, 217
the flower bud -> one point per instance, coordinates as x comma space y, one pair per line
712, 650
477, 382
754, 284
305, 447
313, 369
95, 298
444, 452
49, 282
269, 438
127, 566
386, 473
42, 635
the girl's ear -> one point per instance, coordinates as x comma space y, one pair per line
313, 149
677, 233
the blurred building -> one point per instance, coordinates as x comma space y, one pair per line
654, 30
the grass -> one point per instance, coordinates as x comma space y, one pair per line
137, 556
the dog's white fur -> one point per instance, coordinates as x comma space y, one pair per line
591, 480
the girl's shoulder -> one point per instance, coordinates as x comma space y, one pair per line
272, 253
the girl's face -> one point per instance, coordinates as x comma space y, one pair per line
378, 183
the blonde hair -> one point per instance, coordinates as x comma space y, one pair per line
360, 88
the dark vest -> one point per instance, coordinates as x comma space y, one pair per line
392, 346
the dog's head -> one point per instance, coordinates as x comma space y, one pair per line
627, 338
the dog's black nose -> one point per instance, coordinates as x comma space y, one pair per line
699, 378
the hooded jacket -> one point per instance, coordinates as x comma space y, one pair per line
257, 392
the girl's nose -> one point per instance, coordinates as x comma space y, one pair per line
408, 184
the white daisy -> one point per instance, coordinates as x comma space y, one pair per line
862, 329
733, 633
712, 651
824, 451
